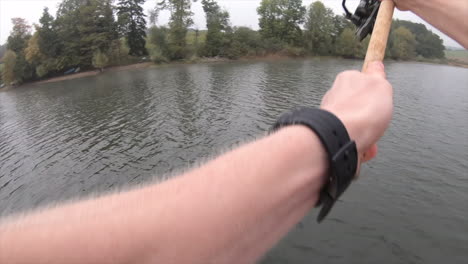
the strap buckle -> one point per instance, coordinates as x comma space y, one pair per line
343, 168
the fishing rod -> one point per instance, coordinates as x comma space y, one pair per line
373, 17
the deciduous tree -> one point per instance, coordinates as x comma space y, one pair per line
100, 60
403, 45
281, 19
19, 36
9, 64
180, 21
319, 29
217, 22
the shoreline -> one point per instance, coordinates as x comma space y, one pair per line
144, 65
141, 65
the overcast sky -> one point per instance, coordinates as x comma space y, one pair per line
243, 13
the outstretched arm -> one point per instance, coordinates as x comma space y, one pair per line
232, 210
449, 16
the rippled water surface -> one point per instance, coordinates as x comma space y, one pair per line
67, 140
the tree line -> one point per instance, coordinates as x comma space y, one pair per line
87, 34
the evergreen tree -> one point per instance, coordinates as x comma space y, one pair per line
132, 25
44, 47
97, 28
48, 39
67, 27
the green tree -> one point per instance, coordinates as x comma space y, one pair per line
340, 23
428, 44
17, 42
281, 20
245, 42
217, 22
68, 22
180, 21
403, 44
100, 60
9, 64
48, 39
319, 29
34, 56
67, 27
82, 27
97, 29
49, 45
19, 36
157, 44
347, 45
132, 25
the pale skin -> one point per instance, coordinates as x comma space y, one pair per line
230, 210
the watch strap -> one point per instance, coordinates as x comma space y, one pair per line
341, 151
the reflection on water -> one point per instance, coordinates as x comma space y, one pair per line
71, 139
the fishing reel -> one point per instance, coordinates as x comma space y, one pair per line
364, 17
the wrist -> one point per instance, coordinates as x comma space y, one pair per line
340, 151
356, 132
309, 151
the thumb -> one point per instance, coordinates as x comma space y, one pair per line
376, 68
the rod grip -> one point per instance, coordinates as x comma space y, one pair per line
379, 38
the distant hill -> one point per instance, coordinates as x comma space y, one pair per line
453, 48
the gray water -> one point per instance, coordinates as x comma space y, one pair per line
71, 139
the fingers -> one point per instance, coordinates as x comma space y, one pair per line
376, 68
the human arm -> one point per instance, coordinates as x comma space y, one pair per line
448, 16
231, 210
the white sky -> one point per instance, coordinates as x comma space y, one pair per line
243, 13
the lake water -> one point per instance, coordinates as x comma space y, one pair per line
66, 140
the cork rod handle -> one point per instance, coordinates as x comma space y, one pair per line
379, 39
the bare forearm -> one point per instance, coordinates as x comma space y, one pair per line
448, 16
230, 211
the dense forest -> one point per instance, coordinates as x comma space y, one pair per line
94, 34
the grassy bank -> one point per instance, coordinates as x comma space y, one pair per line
457, 57
454, 58
86, 74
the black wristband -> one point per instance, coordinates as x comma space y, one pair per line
341, 150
